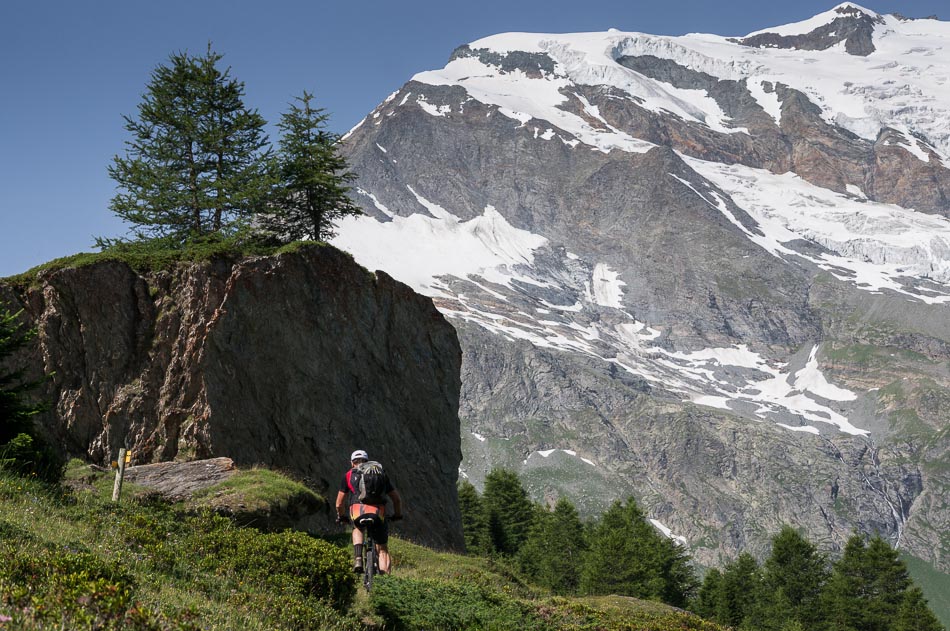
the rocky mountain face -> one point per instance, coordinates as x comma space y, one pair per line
708, 272
290, 361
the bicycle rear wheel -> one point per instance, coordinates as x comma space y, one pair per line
369, 565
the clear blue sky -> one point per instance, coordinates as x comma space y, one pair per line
70, 70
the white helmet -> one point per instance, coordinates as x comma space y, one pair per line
359, 454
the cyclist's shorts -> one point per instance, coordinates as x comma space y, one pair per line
371, 519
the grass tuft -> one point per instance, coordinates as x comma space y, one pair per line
159, 254
257, 490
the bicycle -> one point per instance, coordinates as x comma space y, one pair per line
363, 521
370, 558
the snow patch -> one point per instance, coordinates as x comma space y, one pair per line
383, 209
524, 98
876, 244
667, 532
418, 249
771, 387
768, 101
856, 191
606, 287
808, 429
545, 453
353, 129
433, 110
812, 380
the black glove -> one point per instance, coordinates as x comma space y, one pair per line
342, 519
397, 517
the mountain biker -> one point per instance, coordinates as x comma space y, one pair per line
379, 531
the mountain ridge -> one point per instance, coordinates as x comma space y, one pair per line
712, 234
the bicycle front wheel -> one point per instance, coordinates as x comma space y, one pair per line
369, 568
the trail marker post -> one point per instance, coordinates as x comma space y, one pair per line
124, 457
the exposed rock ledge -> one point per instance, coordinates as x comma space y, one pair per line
178, 481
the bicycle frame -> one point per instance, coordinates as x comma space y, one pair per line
370, 559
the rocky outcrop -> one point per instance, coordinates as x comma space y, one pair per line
177, 481
257, 497
289, 361
852, 27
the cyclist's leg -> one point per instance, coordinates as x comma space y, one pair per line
381, 536
385, 561
357, 549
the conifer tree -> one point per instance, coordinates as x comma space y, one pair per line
794, 575
312, 195
553, 551
197, 162
628, 557
474, 521
707, 598
16, 411
914, 614
867, 587
739, 591
510, 512
21, 448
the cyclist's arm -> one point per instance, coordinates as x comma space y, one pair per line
341, 504
397, 503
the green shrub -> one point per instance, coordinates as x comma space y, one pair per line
66, 588
30, 456
290, 560
428, 604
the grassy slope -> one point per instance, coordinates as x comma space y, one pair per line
433, 590
73, 558
935, 585
76, 559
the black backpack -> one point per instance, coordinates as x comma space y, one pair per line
369, 483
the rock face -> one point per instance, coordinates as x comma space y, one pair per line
713, 274
290, 361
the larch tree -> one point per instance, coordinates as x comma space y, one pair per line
914, 614
740, 590
794, 576
312, 195
474, 521
510, 512
867, 587
554, 549
628, 557
198, 162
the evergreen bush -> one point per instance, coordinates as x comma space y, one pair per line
407, 605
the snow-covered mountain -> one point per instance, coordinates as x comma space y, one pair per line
708, 271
